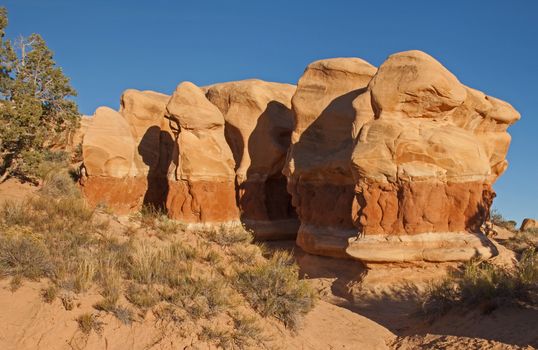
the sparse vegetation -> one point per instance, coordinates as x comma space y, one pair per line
498, 219
486, 285
523, 240
273, 289
90, 322
191, 278
50, 293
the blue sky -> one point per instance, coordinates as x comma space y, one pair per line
109, 46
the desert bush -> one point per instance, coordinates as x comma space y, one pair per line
201, 297
25, 255
59, 184
484, 284
274, 289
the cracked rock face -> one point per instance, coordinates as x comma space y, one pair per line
418, 156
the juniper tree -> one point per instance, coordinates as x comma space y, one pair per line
36, 112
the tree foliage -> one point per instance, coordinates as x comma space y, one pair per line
37, 113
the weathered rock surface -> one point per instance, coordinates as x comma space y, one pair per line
392, 164
203, 187
409, 165
126, 154
318, 167
528, 224
259, 122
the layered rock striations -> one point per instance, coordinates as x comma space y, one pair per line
126, 152
203, 155
318, 166
202, 189
426, 151
388, 164
259, 122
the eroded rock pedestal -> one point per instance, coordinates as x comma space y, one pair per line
393, 164
210, 155
259, 123
127, 153
423, 151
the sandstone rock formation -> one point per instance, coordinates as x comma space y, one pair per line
529, 224
176, 153
127, 152
318, 167
423, 150
259, 123
381, 165
203, 189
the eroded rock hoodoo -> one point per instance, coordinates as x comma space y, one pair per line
424, 151
126, 154
210, 155
392, 164
259, 122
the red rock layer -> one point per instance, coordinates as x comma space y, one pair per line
323, 204
122, 195
417, 207
202, 201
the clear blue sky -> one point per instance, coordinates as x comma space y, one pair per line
109, 46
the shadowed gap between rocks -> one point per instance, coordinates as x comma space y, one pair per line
328, 204
263, 199
157, 179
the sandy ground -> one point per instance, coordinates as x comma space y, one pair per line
361, 307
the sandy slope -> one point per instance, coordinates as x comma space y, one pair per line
362, 307
29, 323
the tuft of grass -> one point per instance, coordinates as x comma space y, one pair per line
167, 264
228, 235
25, 255
15, 283
201, 297
166, 227
245, 334
273, 289
219, 336
49, 294
88, 322
124, 314
142, 296
487, 285
245, 254
59, 184
84, 273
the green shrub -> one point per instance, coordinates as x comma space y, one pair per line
274, 289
